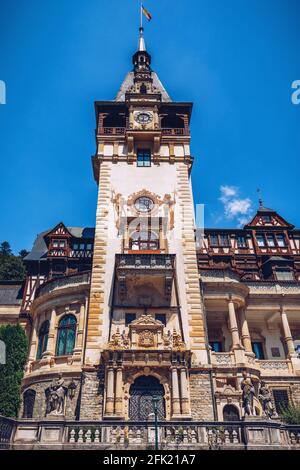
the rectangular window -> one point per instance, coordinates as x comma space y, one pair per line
260, 240
242, 242
271, 241
267, 219
216, 346
89, 246
143, 158
258, 350
281, 241
75, 246
284, 275
129, 318
281, 399
82, 246
214, 240
224, 240
161, 317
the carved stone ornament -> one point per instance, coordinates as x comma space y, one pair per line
146, 339
119, 341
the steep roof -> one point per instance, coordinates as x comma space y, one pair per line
11, 292
39, 250
128, 83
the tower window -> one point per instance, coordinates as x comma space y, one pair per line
161, 317
66, 336
143, 158
129, 318
43, 339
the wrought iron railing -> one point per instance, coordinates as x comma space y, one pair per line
151, 261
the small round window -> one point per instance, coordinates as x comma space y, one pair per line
144, 204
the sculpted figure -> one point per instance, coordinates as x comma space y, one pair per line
265, 399
55, 397
248, 394
119, 204
168, 208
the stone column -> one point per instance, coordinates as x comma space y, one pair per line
246, 339
175, 393
51, 337
233, 326
185, 409
80, 331
110, 393
33, 343
119, 392
287, 333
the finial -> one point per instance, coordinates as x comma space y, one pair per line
259, 198
142, 45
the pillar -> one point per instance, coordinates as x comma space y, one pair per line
175, 392
119, 392
246, 339
51, 337
287, 333
110, 394
80, 332
233, 326
185, 409
33, 342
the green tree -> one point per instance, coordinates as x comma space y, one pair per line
5, 249
291, 414
12, 268
11, 373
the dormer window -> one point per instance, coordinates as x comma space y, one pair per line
267, 219
219, 240
59, 243
271, 241
281, 241
242, 242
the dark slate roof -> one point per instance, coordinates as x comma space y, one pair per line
128, 83
11, 292
39, 250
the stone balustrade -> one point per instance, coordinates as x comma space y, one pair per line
252, 434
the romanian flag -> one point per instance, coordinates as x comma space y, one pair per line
146, 13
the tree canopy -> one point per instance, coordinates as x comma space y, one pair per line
12, 267
11, 373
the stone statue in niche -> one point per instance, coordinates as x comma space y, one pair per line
248, 394
264, 396
55, 397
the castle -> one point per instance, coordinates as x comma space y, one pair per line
144, 314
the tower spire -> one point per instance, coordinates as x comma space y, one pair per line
142, 45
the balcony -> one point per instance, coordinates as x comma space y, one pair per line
112, 130
63, 282
115, 131
146, 270
175, 131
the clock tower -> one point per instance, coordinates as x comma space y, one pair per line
145, 327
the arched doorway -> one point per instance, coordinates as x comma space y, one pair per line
230, 413
141, 393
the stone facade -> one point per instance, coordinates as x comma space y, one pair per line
201, 396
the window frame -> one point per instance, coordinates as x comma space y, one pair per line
68, 327
143, 156
43, 337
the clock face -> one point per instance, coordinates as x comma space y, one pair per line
144, 118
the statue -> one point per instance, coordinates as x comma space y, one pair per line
55, 397
248, 394
168, 208
119, 203
264, 396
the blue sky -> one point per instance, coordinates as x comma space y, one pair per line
235, 59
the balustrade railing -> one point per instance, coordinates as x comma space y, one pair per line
141, 435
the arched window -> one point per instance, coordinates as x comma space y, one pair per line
66, 336
28, 403
231, 413
144, 240
43, 339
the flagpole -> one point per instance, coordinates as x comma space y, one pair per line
141, 15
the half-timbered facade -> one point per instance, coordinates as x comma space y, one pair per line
144, 305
